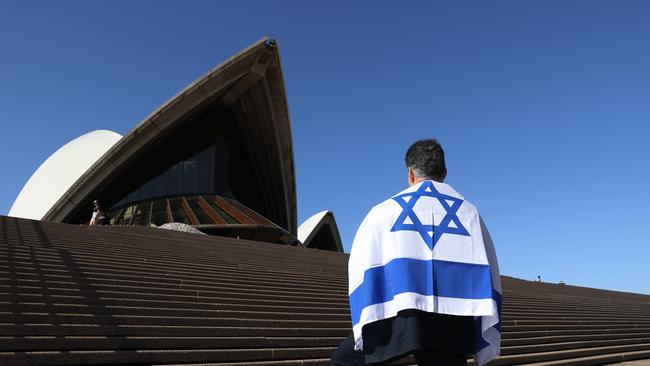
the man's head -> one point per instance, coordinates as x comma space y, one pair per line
425, 160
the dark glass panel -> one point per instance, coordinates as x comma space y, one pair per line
190, 174
133, 196
206, 171
160, 185
137, 214
229, 219
119, 203
222, 168
147, 190
202, 216
175, 180
148, 223
117, 219
178, 214
159, 212
142, 214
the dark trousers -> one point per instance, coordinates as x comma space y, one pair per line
345, 355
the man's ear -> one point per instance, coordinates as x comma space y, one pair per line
410, 176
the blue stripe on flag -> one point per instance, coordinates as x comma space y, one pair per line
425, 277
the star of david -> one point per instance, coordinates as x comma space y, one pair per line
449, 203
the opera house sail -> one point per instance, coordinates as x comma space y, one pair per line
217, 156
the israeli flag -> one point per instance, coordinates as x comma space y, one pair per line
426, 248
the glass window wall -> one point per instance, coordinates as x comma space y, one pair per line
178, 214
159, 212
194, 175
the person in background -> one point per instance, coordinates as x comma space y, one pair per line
99, 216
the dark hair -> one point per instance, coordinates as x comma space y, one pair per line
427, 159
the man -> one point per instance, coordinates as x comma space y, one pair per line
98, 217
423, 275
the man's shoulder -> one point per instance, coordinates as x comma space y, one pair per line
381, 212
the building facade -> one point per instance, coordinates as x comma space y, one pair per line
218, 156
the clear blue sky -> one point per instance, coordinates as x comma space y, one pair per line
542, 106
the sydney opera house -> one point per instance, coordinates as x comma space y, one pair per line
217, 156
258, 289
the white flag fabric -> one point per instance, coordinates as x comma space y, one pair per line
426, 248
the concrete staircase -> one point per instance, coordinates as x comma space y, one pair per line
72, 295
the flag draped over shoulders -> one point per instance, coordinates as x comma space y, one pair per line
426, 248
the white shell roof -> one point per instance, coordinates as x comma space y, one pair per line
59, 172
309, 225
